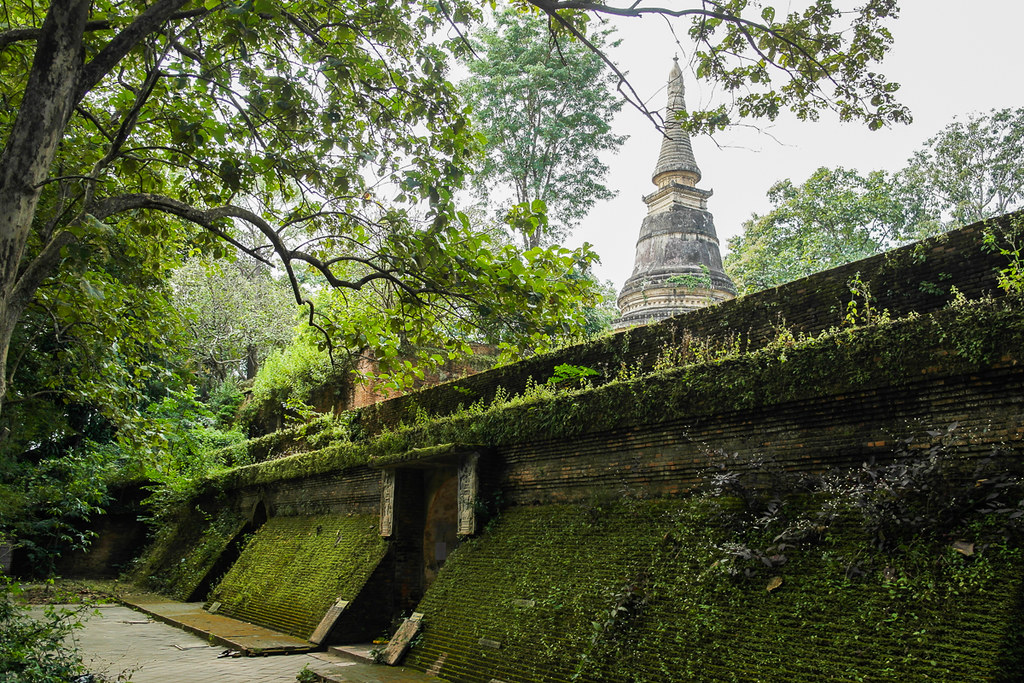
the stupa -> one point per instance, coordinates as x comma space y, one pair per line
678, 265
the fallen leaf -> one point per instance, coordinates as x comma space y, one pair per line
774, 583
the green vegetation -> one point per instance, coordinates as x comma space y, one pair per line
294, 568
695, 377
1008, 240
836, 216
642, 590
971, 169
843, 575
35, 649
544, 104
236, 314
186, 549
969, 172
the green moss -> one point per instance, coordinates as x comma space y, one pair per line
186, 550
960, 339
638, 592
297, 439
294, 568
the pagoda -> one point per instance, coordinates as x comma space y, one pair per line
678, 265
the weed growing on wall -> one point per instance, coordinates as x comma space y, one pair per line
1007, 239
927, 497
861, 308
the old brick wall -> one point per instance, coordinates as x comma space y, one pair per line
844, 429
836, 401
917, 277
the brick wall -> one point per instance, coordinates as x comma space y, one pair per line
917, 277
833, 403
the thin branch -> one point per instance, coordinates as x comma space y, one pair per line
451, 22
120, 45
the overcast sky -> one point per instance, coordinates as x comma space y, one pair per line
950, 62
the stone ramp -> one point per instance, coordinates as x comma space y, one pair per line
346, 664
249, 639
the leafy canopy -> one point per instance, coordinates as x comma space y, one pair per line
971, 170
545, 104
834, 217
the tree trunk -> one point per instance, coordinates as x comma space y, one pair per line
251, 362
31, 146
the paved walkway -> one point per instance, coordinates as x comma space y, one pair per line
123, 645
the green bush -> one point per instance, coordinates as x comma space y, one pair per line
35, 650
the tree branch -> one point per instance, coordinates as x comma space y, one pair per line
120, 45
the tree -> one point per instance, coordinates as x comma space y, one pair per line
972, 170
545, 104
236, 313
266, 127
968, 172
836, 216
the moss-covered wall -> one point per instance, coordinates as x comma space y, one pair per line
864, 383
293, 569
916, 278
187, 549
638, 591
631, 591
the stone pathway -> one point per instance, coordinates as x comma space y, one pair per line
120, 642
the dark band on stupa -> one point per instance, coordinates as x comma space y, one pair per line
678, 265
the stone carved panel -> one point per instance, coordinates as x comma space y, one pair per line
468, 484
387, 502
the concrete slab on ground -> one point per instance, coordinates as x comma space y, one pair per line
362, 653
248, 639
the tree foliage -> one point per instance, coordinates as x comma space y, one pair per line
35, 647
314, 138
971, 170
545, 104
236, 313
819, 58
836, 216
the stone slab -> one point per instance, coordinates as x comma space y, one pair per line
249, 639
400, 642
356, 652
328, 622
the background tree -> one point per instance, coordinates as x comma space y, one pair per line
545, 104
973, 169
970, 171
834, 217
236, 312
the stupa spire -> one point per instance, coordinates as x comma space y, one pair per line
676, 161
678, 265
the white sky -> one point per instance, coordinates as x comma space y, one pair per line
951, 58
